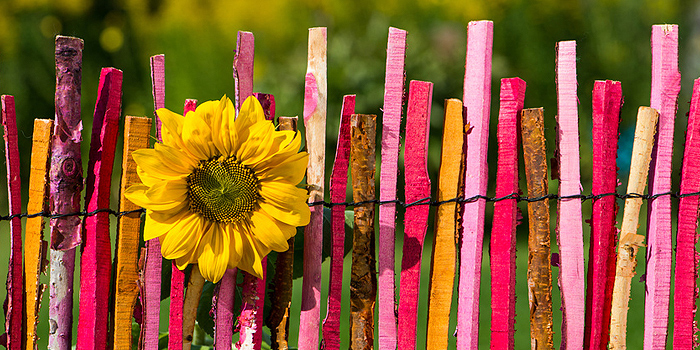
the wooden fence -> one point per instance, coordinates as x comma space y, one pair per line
117, 294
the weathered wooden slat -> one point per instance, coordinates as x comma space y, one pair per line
137, 131
665, 87
607, 100
420, 98
194, 293
34, 245
15, 283
477, 102
505, 215
630, 241
684, 293
338, 188
363, 276
539, 269
66, 183
281, 296
315, 122
388, 177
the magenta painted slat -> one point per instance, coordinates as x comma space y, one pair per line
607, 101
477, 102
569, 224
96, 255
420, 98
15, 290
338, 188
685, 290
665, 87
505, 216
150, 297
391, 122
243, 60
250, 319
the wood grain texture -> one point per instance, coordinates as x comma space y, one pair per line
665, 87
34, 245
137, 131
15, 283
66, 183
388, 177
96, 254
569, 221
505, 216
194, 293
539, 269
607, 101
444, 258
477, 102
630, 241
315, 122
420, 98
338, 188
281, 293
363, 276
685, 287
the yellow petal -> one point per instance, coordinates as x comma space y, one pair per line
254, 251
292, 141
281, 193
171, 128
259, 145
158, 224
251, 113
236, 248
265, 229
139, 195
182, 238
149, 162
168, 191
175, 158
214, 253
212, 114
196, 135
291, 170
295, 213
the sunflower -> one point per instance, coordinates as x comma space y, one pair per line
221, 191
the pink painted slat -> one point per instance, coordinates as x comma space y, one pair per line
569, 224
15, 284
391, 122
250, 319
243, 59
477, 102
685, 291
505, 216
96, 255
150, 297
338, 188
665, 86
177, 284
66, 183
607, 100
420, 98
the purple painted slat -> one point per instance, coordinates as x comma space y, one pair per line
665, 86
338, 192
391, 122
477, 102
420, 100
569, 224
96, 255
15, 290
505, 216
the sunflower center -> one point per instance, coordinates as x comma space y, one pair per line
222, 189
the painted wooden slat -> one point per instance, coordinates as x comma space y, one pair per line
34, 245
137, 131
684, 293
539, 269
363, 276
96, 254
194, 293
505, 215
338, 188
665, 87
388, 177
281, 297
607, 101
66, 183
477, 103
420, 98
630, 241
444, 258
315, 122
570, 222
15, 284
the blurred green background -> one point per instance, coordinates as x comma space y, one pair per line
198, 39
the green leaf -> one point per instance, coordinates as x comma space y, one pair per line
204, 319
